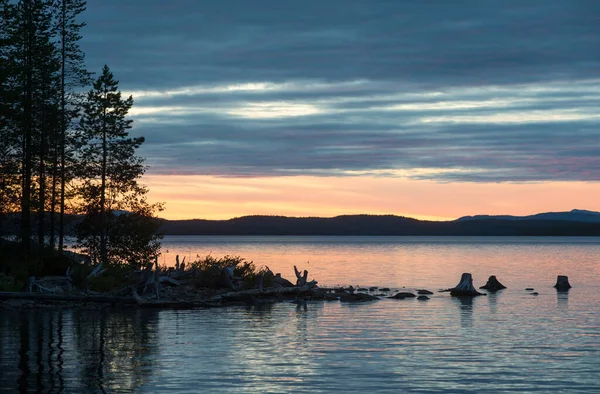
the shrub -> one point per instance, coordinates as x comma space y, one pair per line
208, 271
9, 283
115, 277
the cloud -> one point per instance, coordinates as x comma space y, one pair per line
454, 91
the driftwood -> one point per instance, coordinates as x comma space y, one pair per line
179, 267
50, 284
228, 280
168, 280
96, 271
301, 279
156, 279
278, 281
493, 284
465, 287
562, 283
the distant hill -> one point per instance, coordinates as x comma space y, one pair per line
575, 215
574, 223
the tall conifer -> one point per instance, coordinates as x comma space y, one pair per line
110, 168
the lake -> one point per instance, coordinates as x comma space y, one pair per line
511, 341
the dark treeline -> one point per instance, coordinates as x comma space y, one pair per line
65, 148
378, 225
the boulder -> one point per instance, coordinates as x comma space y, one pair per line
357, 297
424, 292
402, 295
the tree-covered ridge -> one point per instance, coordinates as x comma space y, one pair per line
64, 152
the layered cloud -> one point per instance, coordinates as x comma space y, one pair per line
446, 91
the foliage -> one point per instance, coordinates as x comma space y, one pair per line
60, 149
116, 276
42, 261
208, 270
8, 283
119, 224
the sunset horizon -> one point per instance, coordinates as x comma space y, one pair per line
330, 108
222, 198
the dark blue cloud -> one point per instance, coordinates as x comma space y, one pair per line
461, 90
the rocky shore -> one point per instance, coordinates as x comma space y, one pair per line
216, 283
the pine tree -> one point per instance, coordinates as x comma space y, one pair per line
112, 197
9, 142
29, 80
73, 75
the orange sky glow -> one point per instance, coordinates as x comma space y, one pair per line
209, 197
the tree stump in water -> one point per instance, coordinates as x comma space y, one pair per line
465, 288
562, 283
493, 284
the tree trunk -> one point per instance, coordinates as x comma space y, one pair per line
465, 288
562, 283
493, 284
103, 241
63, 128
27, 131
53, 200
42, 171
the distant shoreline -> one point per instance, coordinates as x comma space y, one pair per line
371, 225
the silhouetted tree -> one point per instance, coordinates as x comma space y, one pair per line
113, 201
73, 75
33, 70
9, 142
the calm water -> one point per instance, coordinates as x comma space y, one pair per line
508, 342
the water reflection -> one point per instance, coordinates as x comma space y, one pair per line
104, 347
562, 299
493, 298
465, 307
301, 306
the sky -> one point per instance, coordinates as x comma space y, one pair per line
429, 109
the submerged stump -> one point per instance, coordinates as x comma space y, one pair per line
562, 283
465, 288
493, 284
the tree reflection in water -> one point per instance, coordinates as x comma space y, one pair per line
83, 350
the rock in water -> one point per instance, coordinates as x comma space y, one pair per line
402, 295
357, 297
465, 288
493, 284
562, 283
424, 292
422, 298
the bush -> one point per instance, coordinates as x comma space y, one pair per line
208, 271
8, 283
115, 277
